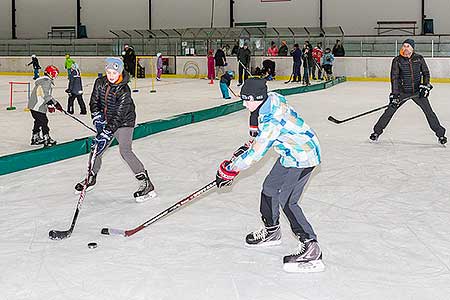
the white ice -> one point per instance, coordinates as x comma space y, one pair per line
381, 211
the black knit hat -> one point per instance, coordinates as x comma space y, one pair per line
411, 42
254, 89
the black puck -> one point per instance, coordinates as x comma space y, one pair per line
92, 245
105, 231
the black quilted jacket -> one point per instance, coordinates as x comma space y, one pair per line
115, 101
408, 73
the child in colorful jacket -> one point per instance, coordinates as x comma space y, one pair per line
280, 127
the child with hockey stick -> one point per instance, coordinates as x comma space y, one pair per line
41, 101
114, 116
75, 90
225, 81
327, 61
275, 124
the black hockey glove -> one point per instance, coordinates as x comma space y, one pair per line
424, 90
239, 151
394, 100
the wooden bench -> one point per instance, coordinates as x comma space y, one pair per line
62, 32
408, 27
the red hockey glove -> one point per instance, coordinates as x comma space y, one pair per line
225, 177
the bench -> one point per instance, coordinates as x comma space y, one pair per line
62, 32
408, 27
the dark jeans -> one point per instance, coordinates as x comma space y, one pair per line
423, 103
319, 70
296, 71
241, 69
40, 122
283, 187
80, 102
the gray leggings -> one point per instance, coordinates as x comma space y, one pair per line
124, 136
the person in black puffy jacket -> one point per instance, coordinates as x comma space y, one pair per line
410, 77
114, 116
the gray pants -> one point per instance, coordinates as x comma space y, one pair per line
124, 136
424, 105
220, 68
283, 187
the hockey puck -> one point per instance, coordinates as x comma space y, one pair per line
92, 245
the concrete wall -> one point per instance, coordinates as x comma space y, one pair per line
34, 18
370, 67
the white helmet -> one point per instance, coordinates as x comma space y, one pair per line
33, 55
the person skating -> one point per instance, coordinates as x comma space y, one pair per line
41, 101
220, 62
279, 126
159, 66
317, 54
114, 116
36, 67
129, 59
75, 90
243, 57
306, 65
409, 77
68, 64
326, 62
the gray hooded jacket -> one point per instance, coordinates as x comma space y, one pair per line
41, 95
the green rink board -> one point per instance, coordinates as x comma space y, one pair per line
33, 158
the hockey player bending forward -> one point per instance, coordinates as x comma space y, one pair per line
280, 127
409, 76
114, 116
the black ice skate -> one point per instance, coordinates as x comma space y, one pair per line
91, 183
374, 137
306, 259
146, 189
266, 236
442, 140
48, 141
36, 139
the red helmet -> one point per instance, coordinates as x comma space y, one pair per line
51, 71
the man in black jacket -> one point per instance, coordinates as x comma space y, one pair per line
114, 116
243, 57
129, 59
410, 77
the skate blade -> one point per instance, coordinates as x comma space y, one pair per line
312, 266
265, 244
144, 198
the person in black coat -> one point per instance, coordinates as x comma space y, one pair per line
129, 59
114, 116
410, 77
338, 49
36, 67
220, 61
283, 51
75, 90
243, 57
296, 54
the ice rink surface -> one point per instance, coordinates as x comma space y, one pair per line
381, 211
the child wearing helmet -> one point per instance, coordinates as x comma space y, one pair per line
36, 67
75, 90
225, 81
40, 101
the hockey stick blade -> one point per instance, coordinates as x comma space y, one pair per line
332, 119
59, 235
113, 231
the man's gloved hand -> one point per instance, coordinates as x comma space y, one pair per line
394, 100
424, 90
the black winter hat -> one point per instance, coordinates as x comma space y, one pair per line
411, 42
254, 89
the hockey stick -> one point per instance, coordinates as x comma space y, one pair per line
63, 234
290, 78
233, 92
112, 231
78, 120
246, 69
334, 120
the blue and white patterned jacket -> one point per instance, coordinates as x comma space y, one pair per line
282, 128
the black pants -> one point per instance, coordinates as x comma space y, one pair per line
283, 188
423, 103
296, 71
80, 103
328, 69
319, 70
40, 122
242, 70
